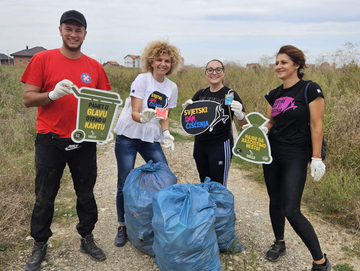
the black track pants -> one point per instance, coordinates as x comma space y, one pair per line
214, 161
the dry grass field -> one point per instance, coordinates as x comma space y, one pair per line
336, 197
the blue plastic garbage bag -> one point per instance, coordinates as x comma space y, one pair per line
140, 186
224, 215
183, 223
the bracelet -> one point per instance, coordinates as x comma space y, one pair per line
165, 130
49, 97
314, 156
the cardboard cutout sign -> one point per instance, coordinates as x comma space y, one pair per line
157, 99
252, 144
202, 115
161, 113
95, 115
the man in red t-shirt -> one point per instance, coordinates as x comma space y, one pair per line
47, 85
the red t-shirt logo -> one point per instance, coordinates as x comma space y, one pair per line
86, 78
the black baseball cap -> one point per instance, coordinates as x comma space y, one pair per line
73, 15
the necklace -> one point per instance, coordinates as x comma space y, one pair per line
160, 86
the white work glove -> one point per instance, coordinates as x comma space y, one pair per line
168, 140
108, 140
61, 89
317, 168
187, 103
237, 108
147, 115
263, 128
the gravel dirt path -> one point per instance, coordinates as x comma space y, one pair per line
253, 226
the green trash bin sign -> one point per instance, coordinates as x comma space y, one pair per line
95, 115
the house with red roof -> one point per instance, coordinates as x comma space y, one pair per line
111, 64
22, 58
132, 61
253, 66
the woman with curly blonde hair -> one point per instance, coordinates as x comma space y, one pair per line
138, 129
157, 48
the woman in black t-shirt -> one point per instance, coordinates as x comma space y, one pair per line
212, 149
291, 129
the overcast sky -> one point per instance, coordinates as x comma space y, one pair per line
232, 30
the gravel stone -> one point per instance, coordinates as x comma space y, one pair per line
253, 227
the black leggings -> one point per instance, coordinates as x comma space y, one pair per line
285, 180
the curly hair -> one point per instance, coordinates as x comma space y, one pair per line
157, 48
296, 55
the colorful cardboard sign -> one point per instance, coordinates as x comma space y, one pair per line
95, 115
202, 115
157, 99
229, 98
252, 144
161, 113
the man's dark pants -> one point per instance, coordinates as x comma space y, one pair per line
51, 156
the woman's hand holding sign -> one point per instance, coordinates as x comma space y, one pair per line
61, 89
237, 108
147, 115
187, 103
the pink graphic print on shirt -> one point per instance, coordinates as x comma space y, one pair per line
282, 104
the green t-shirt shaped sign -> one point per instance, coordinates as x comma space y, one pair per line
252, 144
95, 115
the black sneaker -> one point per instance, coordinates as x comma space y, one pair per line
120, 238
37, 256
88, 246
320, 267
276, 250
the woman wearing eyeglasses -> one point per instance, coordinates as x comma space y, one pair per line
212, 150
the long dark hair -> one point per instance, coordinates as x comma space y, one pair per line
296, 55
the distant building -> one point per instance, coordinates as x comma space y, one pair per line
253, 66
311, 66
111, 64
22, 58
132, 61
6, 60
325, 66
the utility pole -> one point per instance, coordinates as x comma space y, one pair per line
8, 57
